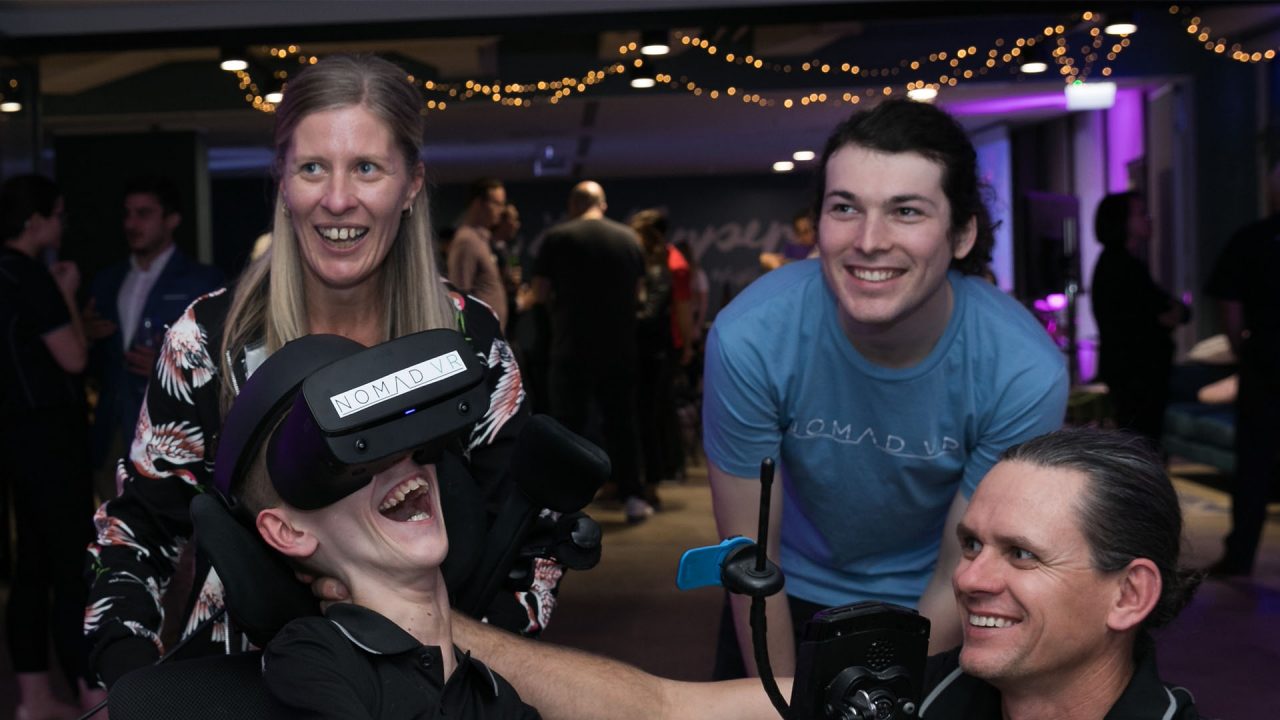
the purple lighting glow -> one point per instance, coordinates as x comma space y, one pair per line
1124, 138
1051, 303
997, 106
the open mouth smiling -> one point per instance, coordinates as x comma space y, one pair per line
342, 237
409, 501
875, 274
991, 621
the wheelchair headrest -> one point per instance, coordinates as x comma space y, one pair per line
262, 593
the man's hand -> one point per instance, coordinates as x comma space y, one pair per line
328, 590
525, 298
140, 359
96, 327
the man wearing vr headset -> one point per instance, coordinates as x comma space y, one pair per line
339, 477
329, 454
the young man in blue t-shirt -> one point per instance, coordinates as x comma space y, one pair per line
885, 376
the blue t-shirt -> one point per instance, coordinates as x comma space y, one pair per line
871, 458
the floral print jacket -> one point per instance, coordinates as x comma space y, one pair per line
141, 534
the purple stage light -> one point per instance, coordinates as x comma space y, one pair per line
1003, 105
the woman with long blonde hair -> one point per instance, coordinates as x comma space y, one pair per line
351, 255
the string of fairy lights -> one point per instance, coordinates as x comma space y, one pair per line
437, 95
920, 77
1220, 45
961, 64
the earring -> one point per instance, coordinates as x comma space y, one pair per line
286, 210
408, 212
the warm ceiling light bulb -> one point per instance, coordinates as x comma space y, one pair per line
803, 155
784, 166
274, 97
643, 83
10, 107
922, 94
1035, 66
233, 65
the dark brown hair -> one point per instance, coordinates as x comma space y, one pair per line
903, 126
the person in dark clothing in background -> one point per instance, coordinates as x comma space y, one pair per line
1136, 317
44, 440
1244, 284
656, 357
589, 271
130, 305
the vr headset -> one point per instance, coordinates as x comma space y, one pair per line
333, 413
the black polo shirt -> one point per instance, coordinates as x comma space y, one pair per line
949, 693
1245, 272
355, 663
31, 306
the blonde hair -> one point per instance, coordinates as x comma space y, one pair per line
269, 303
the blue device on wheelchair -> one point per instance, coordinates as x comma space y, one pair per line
700, 567
863, 661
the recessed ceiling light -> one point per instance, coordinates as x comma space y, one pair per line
642, 78
10, 107
1120, 23
784, 166
922, 94
275, 97
654, 42
803, 155
1035, 66
1121, 28
233, 59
